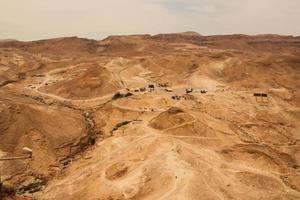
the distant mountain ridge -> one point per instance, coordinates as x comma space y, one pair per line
155, 43
7, 40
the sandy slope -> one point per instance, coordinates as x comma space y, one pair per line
219, 145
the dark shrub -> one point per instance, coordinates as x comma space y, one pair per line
117, 95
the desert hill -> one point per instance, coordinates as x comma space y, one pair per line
67, 45
168, 116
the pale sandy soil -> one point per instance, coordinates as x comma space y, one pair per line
222, 144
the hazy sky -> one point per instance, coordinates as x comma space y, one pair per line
38, 19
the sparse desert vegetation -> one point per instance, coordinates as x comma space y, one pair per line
169, 116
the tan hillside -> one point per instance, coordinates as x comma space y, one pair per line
168, 116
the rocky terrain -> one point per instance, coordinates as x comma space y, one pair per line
169, 116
